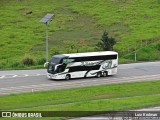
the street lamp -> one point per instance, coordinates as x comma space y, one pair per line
46, 19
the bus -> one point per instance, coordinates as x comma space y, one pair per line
78, 65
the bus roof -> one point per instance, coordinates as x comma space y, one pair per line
91, 54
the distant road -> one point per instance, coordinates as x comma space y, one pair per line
18, 81
103, 117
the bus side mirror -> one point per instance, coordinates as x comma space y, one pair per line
56, 67
46, 64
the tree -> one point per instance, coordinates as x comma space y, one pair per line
106, 43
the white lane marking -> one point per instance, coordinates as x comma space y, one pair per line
126, 68
36, 74
9, 76
14, 75
20, 75
23, 75
26, 75
112, 80
2, 76
73, 84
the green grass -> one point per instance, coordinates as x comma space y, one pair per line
142, 54
77, 26
98, 98
80, 95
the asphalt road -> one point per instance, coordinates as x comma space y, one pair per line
155, 110
18, 81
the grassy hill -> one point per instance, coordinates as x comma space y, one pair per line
78, 26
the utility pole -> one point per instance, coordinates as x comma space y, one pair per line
135, 55
46, 19
47, 41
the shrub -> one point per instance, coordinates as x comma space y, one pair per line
1, 66
28, 60
41, 61
15, 64
158, 46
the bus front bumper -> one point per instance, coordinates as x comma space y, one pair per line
55, 76
51, 76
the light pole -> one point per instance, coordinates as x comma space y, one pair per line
46, 19
47, 42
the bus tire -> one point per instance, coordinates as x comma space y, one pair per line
67, 77
98, 75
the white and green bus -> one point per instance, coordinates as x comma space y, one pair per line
77, 65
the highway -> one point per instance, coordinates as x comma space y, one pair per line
105, 117
19, 81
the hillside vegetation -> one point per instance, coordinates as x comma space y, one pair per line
77, 27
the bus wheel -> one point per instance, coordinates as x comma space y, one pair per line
67, 77
105, 74
98, 74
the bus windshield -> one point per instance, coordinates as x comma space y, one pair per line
56, 60
51, 68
